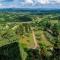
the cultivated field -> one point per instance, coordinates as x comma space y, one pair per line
37, 36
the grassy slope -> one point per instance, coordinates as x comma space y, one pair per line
27, 41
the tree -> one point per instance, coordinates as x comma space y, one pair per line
56, 53
55, 30
33, 54
20, 30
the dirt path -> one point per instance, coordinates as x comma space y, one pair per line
34, 38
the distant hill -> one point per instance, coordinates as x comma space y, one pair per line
37, 10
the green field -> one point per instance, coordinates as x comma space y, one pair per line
37, 35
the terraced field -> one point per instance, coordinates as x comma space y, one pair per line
36, 38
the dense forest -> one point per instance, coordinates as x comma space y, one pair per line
29, 36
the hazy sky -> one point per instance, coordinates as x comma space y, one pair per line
29, 3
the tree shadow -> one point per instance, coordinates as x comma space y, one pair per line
10, 52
